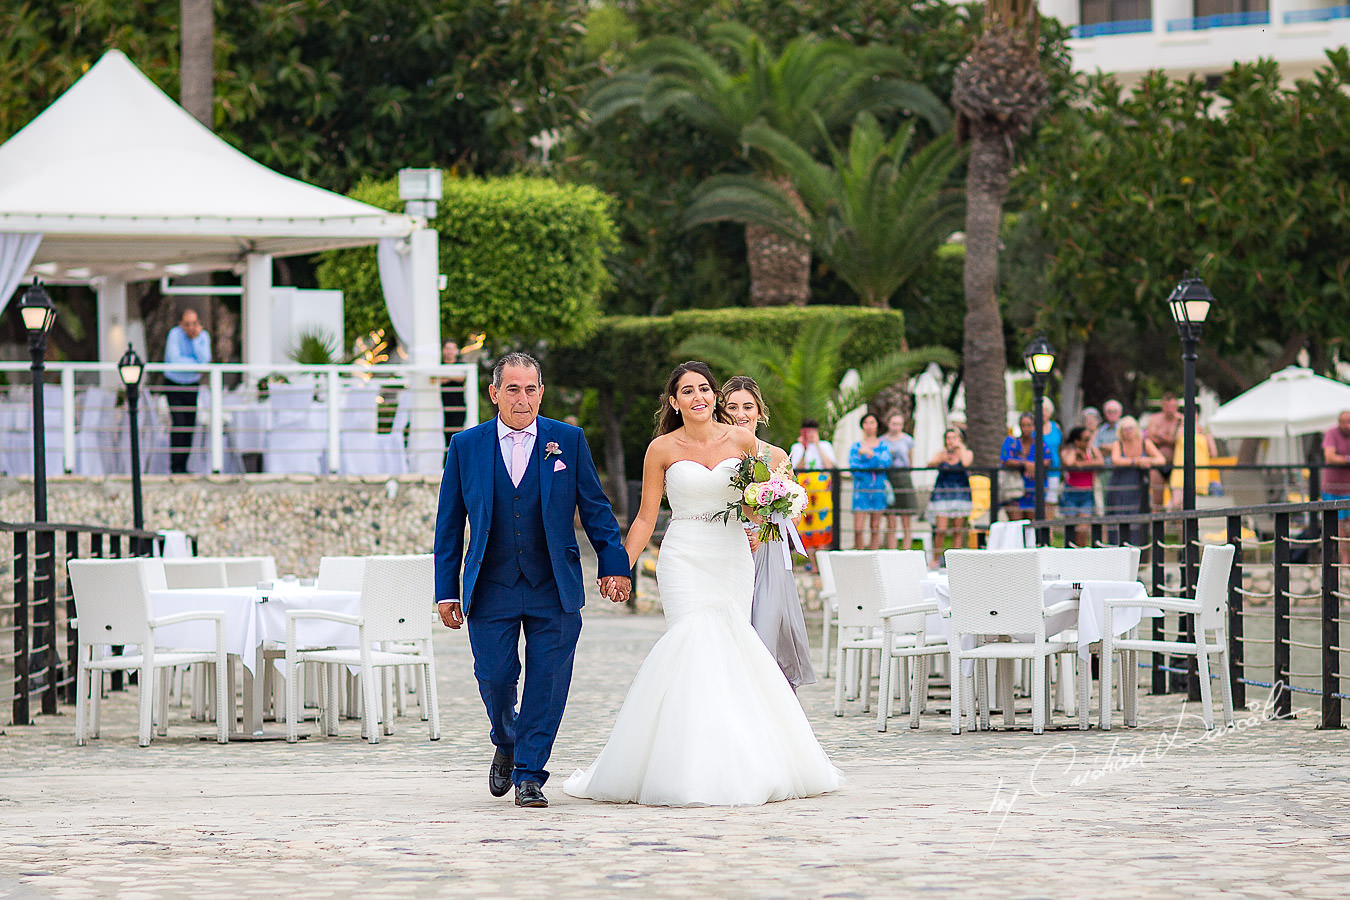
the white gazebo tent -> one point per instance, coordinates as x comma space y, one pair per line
114, 182
1291, 402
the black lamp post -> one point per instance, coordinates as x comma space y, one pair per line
1040, 359
1189, 302
130, 368
38, 315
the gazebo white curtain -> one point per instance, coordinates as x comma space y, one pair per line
396, 279
16, 255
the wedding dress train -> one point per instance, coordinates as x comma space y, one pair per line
709, 719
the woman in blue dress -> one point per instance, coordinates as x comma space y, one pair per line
950, 504
869, 459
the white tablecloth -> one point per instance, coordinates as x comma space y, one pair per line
1089, 618
256, 617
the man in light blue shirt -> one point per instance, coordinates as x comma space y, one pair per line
188, 343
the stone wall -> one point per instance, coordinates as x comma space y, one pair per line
297, 519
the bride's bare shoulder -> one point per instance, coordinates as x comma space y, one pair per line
740, 439
662, 449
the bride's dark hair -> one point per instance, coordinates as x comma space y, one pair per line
667, 419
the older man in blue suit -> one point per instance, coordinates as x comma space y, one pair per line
519, 480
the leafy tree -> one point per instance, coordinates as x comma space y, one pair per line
1244, 184
999, 89
809, 78
874, 216
523, 260
801, 380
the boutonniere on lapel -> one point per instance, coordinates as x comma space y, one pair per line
551, 449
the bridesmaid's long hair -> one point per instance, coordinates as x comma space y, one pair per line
667, 419
745, 383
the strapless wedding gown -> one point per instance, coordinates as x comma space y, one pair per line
709, 719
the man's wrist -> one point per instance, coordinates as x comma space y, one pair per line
438, 602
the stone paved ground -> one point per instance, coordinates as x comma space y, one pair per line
1153, 811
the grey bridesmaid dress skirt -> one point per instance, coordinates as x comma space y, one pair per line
776, 615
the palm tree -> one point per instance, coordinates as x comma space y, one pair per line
801, 381
873, 215
810, 78
998, 90
196, 22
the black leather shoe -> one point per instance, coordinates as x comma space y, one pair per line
531, 794
499, 776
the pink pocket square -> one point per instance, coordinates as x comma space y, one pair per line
559, 466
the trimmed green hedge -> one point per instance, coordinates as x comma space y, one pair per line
523, 259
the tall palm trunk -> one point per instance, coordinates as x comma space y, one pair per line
197, 58
780, 268
983, 349
998, 90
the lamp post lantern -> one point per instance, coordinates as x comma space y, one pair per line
38, 314
130, 368
1040, 360
1189, 303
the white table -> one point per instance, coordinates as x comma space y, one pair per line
1089, 618
254, 619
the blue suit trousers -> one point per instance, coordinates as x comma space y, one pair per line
497, 617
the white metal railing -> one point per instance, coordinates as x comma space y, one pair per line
385, 419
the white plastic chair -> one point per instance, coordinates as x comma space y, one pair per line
393, 447
905, 637
828, 604
112, 605
298, 435
859, 621
1210, 608
1079, 565
194, 573
999, 593
361, 445
96, 439
337, 573
397, 607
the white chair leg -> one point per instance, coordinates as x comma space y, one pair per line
388, 684
335, 682
292, 699
370, 713
96, 704
884, 691
1084, 670
1108, 659
1202, 672
827, 614
1225, 682
865, 680
82, 680
1038, 698
956, 694
839, 683
430, 703
147, 703
165, 676
919, 692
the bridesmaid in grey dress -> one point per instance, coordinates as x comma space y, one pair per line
776, 612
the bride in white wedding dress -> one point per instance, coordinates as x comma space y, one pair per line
709, 719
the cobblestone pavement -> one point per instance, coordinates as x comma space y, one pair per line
1155, 811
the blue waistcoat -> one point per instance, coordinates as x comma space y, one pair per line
516, 545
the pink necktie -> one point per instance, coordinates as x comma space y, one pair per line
519, 458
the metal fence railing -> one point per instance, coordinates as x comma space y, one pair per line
37, 609
279, 419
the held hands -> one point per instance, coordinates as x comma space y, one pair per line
616, 588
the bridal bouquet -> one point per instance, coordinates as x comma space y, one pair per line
773, 496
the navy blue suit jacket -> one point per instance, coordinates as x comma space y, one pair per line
466, 496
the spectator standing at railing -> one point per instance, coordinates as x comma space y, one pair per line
951, 502
1163, 429
188, 342
808, 453
1132, 456
869, 459
1107, 430
1081, 456
452, 393
903, 505
1336, 481
1019, 454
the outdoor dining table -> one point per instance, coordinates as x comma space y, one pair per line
255, 619
1087, 617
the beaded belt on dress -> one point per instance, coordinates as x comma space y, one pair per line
698, 517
